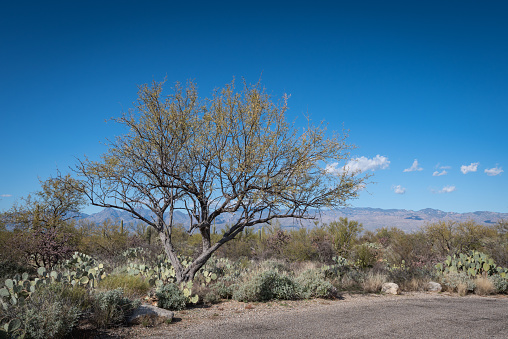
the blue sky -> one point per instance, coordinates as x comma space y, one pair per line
424, 81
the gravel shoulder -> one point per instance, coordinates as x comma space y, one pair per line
416, 315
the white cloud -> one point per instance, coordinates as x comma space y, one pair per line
361, 164
6, 195
438, 174
494, 171
413, 167
471, 168
447, 189
399, 189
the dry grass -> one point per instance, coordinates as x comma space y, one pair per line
373, 282
414, 285
462, 289
298, 267
484, 286
133, 286
347, 283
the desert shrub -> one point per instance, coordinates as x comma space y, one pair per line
279, 266
300, 247
321, 241
365, 255
223, 290
266, 286
131, 285
211, 298
500, 283
410, 278
373, 282
447, 237
484, 286
340, 267
237, 248
110, 308
206, 294
275, 244
344, 234
351, 280
51, 311
458, 282
313, 285
410, 249
171, 297
324, 249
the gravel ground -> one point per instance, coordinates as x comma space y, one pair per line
414, 315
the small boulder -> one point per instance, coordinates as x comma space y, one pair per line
390, 288
150, 315
433, 286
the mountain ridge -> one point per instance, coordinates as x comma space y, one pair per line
371, 218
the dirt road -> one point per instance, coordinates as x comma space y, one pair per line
405, 316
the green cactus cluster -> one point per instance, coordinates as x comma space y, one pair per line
159, 273
12, 329
81, 269
75, 271
17, 290
186, 288
135, 253
208, 276
220, 267
473, 264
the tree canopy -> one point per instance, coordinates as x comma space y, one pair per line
232, 153
41, 221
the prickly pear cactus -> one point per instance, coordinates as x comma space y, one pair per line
473, 264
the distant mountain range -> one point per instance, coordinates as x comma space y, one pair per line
371, 218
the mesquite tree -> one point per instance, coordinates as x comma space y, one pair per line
41, 222
234, 153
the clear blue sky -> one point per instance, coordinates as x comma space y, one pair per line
411, 80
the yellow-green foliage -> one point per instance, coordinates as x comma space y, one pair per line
131, 285
345, 234
300, 247
447, 237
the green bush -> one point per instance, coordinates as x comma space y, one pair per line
352, 280
50, 312
49, 320
365, 255
110, 308
456, 281
222, 290
211, 298
500, 283
171, 297
313, 285
267, 286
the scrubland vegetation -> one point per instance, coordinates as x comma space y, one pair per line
97, 274
232, 154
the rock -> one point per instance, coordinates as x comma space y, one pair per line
390, 288
149, 315
433, 287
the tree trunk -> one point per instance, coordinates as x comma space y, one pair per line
165, 237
